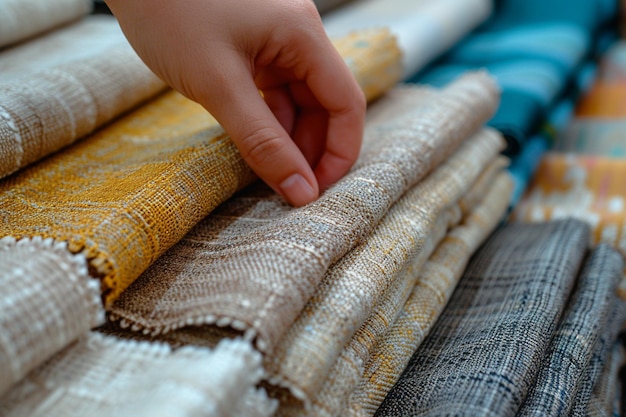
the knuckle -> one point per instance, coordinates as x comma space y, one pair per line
261, 146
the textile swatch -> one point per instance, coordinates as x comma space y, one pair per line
48, 301
255, 262
424, 28
572, 346
510, 297
22, 19
132, 190
356, 283
103, 376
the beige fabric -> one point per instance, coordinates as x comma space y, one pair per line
62, 87
256, 261
103, 376
356, 283
47, 301
21, 19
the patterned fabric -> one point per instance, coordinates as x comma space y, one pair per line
570, 352
606, 399
103, 376
533, 48
48, 300
510, 297
256, 261
424, 28
21, 19
132, 190
355, 284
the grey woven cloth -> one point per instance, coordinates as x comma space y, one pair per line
571, 349
483, 354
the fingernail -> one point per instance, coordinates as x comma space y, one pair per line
297, 190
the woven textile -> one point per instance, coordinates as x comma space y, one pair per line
565, 363
356, 283
510, 297
256, 261
606, 400
132, 190
105, 376
64, 86
48, 301
21, 19
424, 28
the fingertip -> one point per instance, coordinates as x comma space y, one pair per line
298, 191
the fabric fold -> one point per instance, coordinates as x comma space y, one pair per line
257, 261
104, 376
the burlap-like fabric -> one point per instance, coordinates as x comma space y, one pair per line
64, 86
47, 301
104, 376
564, 366
483, 353
355, 284
357, 357
606, 399
255, 261
132, 190
21, 19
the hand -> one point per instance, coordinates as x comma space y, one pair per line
304, 132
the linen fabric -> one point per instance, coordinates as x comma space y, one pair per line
571, 349
510, 297
606, 399
104, 376
22, 19
355, 284
48, 301
255, 261
132, 190
424, 29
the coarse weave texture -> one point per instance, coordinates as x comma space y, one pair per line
21, 19
510, 297
103, 376
48, 300
351, 288
256, 261
565, 363
358, 355
133, 189
435, 285
62, 87
606, 399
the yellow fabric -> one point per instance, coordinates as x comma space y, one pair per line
126, 194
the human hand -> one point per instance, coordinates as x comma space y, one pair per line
305, 131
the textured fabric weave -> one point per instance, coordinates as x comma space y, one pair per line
47, 301
565, 363
487, 346
21, 19
102, 376
351, 288
132, 190
256, 261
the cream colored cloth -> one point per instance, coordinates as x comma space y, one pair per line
47, 300
104, 376
355, 284
22, 19
255, 262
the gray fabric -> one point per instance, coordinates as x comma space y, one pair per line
570, 351
487, 347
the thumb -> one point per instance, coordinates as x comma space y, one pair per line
234, 100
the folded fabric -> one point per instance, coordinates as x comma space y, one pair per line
129, 192
257, 261
48, 301
424, 29
22, 19
534, 49
483, 354
105, 376
61, 87
571, 349
355, 284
